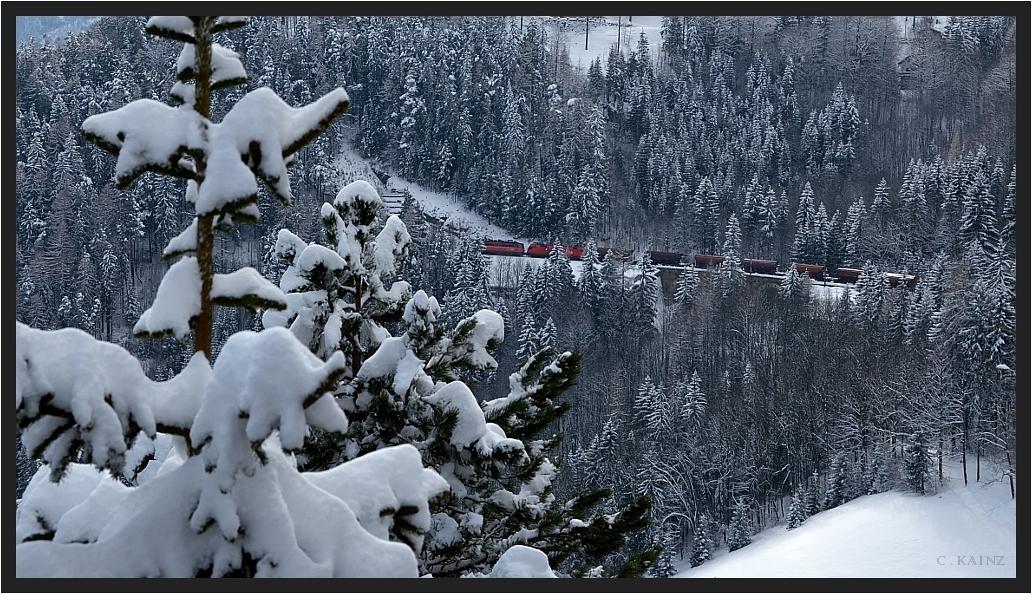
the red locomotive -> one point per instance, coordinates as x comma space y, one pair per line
541, 250
503, 248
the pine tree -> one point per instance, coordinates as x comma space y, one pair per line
731, 268
807, 246
469, 291
239, 506
855, 233
876, 477
793, 286
739, 531
796, 512
687, 283
881, 208
810, 501
591, 283
836, 494
870, 295
347, 289
1009, 216
706, 213
409, 390
664, 566
700, 549
693, 401
548, 335
528, 340
916, 463
978, 216
644, 294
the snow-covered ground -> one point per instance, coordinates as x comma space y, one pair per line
957, 531
450, 210
603, 36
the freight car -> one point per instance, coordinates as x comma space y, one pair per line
708, 260
848, 275
666, 258
814, 271
760, 266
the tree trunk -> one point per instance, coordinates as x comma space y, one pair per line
205, 233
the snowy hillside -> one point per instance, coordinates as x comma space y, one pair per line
956, 532
603, 34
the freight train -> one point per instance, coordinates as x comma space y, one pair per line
701, 261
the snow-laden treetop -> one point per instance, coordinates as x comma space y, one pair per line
255, 139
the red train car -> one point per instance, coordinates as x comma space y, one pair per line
848, 275
760, 266
574, 252
539, 250
814, 271
502, 248
666, 258
708, 260
542, 250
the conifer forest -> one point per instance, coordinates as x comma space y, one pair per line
777, 273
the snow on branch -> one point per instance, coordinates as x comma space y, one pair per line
147, 135
181, 28
74, 391
246, 288
288, 527
383, 484
262, 130
227, 70
177, 302
261, 382
184, 243
468, 344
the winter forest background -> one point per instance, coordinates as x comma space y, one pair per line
700, 405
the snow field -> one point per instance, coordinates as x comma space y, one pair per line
956, 531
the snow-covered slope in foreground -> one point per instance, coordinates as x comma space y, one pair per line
956, 532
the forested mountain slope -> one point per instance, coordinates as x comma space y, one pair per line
805, 139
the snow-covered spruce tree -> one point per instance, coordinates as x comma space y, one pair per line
739, 531
916, 463
228, 498
687, 284
796, 512
665, 564
410, 389
876, 478
793, 287
702, 544
731, 274
836, 494
810, 499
